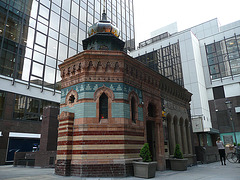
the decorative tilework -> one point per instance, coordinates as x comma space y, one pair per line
87, 89
81, 87
95, 87
140, 114
120, 110
90, 87
112, 88
120, 95
85, 95
62, 101
119, 88
81, 110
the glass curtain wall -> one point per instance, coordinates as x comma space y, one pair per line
24, 108
27, 108
224, 57
166, 61
38, 35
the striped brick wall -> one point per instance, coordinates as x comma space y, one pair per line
88, 147
106, 145
101, 150
105, 153
64, 148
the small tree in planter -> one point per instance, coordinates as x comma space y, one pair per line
178, 154
145, 153
145, 168
178, 163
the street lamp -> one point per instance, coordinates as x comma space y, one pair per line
229, 107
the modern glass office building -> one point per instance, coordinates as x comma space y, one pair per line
35, 37
166, 61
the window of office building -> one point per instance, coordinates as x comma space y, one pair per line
166, 61
223, 120
32, 32
218, 92
224, 57
27, 108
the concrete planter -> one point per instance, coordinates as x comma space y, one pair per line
144, 169
178, 164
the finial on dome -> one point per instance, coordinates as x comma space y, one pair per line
104, 6
103, 35
103, 26
104, 15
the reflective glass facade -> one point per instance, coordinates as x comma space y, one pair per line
224, 57
21, 107
37, 35
27, 108
166, 61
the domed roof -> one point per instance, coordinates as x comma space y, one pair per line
103, 26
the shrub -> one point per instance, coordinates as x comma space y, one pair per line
178, 154
145, 153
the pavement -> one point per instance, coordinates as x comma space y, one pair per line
212, 171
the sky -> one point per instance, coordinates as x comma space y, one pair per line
151, 15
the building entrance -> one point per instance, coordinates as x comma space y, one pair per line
151, 138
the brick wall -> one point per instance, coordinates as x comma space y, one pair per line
46, 155
64, 148
8, 124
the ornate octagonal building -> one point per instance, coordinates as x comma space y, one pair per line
111, 104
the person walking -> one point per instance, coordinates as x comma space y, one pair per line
221, 150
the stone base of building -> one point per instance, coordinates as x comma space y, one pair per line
65, 168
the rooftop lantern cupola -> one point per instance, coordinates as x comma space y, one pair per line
103, 36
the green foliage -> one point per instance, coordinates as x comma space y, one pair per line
238, 144
145, 153
178, 154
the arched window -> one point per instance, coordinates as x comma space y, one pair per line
133, 109
71, 99
103, 106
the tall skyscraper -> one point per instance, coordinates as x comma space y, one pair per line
35, 37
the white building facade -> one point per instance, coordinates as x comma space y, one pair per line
209, 68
